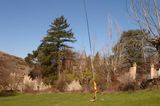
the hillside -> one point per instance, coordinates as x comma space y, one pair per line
10, 63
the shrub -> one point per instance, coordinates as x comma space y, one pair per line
61, 84
130, 86
7, 93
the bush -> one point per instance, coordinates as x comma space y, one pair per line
28, 89
61, 84
7, 93
130, 86
151, 83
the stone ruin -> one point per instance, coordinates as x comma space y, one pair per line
24, 82
74, 86
35, 85
132, 72
19, 82
129, 81
154, 72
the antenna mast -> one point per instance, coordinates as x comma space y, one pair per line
91, 59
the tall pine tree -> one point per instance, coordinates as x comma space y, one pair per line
51, 52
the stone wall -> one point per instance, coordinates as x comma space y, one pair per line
74, 86
35, 85
24, 82
154, 72
132, 72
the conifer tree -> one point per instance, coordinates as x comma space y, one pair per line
51, 51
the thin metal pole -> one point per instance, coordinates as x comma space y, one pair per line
91, 59
88, 29
89, 36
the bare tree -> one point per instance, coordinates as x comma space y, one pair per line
147, 14
112, 24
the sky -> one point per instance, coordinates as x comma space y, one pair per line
24, 23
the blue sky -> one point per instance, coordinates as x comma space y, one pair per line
24, 23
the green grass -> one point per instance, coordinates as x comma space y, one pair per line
139, 98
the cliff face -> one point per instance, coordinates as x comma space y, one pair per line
12, 64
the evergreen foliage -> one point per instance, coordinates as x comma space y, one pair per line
132, 47
51, 52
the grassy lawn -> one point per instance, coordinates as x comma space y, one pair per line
139, 98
